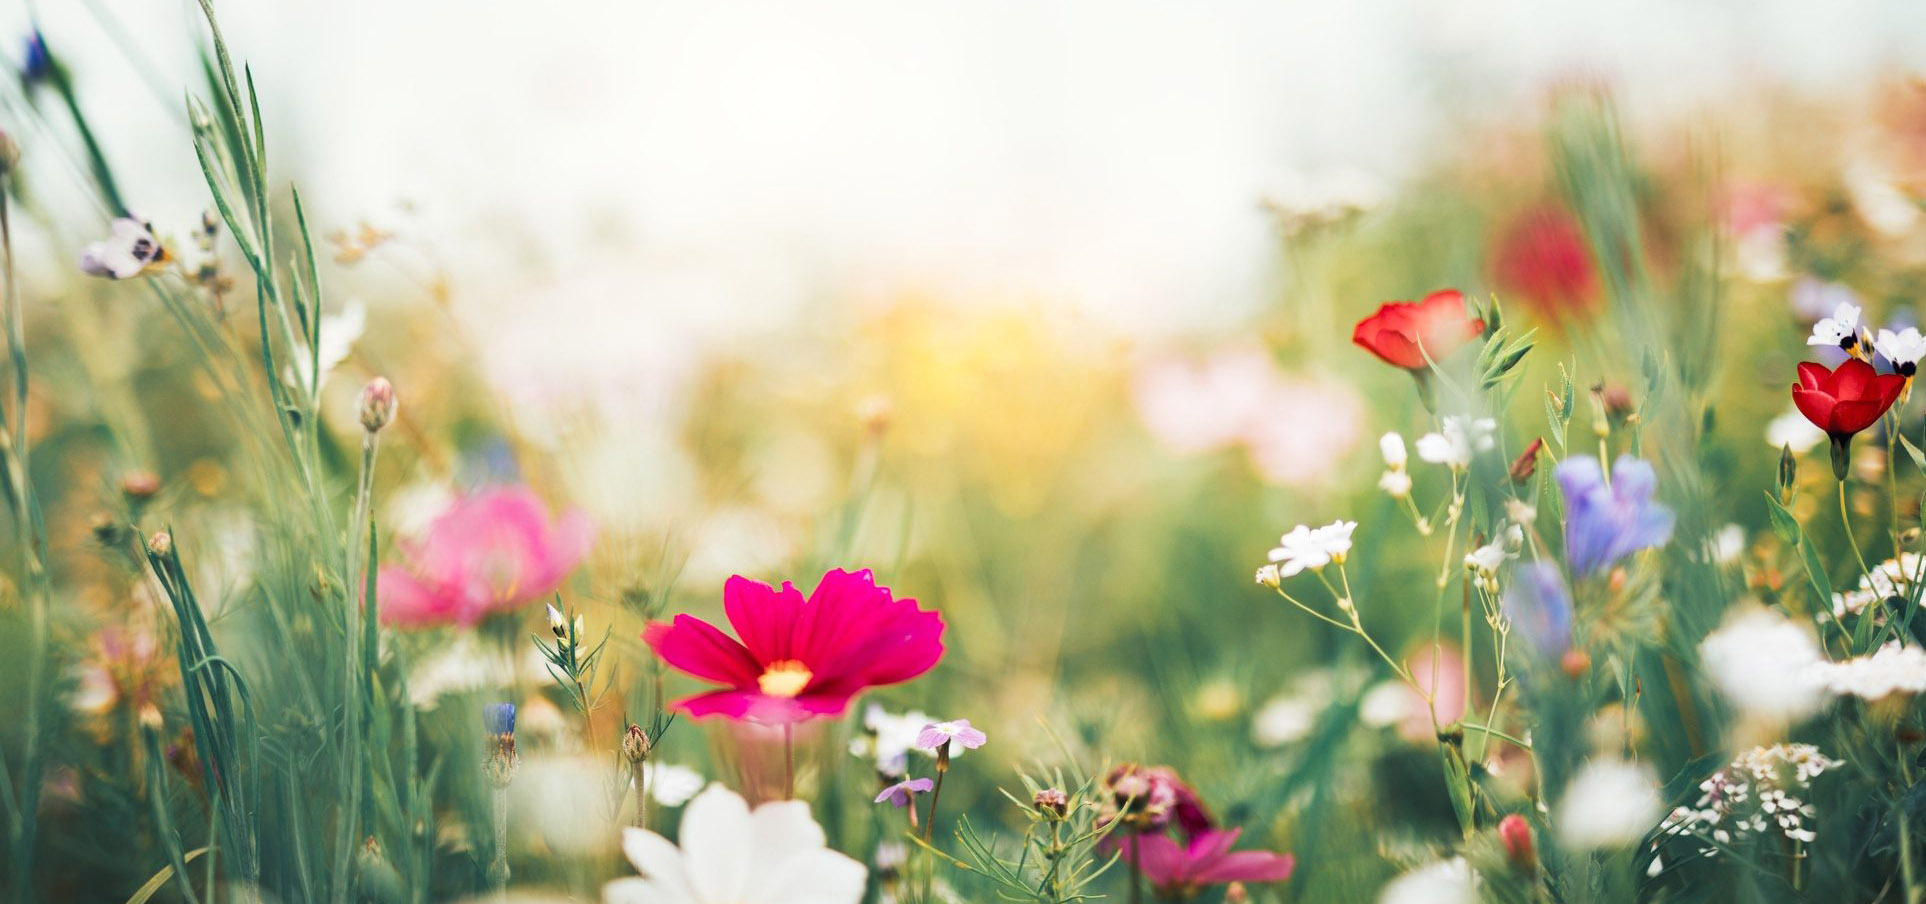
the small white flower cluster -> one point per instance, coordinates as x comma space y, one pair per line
1457, 440
1893, 577
1892, 669
1395, 480
1761, 791
1484, 562
1306, 548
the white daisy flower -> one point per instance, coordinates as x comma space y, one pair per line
774, 854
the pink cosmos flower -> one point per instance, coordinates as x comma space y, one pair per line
1181, 870
799, 659
488, 552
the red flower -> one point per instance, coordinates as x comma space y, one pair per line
1403, 333
1845, 401
1515, 834
1182, 870
799, 659
1541, 257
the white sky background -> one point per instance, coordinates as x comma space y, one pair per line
683, 169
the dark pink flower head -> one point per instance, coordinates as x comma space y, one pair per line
1181, 870
799, 658
490, 551
1148, 798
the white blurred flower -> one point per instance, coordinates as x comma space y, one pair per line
774, 854
129, 252
1387, 703
1197, 407
1761, 661
1727, 545
1395, 483
339, 332
889, 738
1793, 429
1841, 330
1609, 803
1893, 669
671, 786
1444, 882
1304, 548
1457, 440
1520, 513
1284, 719
1391, 446
1283, 451
1893, 577
1903, 349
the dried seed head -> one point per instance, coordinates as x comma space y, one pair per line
161, 544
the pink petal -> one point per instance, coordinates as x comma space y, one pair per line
1248, 866
764, 617
407, 602
1156, 856
697, 647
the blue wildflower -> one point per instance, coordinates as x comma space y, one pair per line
1607, 522
500, 718
1540, 608
36, 63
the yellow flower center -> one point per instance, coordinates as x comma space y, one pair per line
784, 678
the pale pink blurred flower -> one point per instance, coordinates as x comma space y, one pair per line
1440, 672
488, 552
1238, 396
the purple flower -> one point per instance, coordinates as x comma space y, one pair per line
499, 718
1605, 522
938, 735
900, 794
37, 63
1540, 607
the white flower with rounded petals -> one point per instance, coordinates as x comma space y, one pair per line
1396, 483
1841, 330
131, 251
730, 854
1304, 548
1903, 349
1457, 440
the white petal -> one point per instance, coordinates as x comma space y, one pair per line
820, 876
715, 832
643, 891
784, 828
654, 857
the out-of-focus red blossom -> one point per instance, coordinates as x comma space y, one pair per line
1752, 206
799, 659
489, 552
1846, 400
1149, 798
1179, 871
1403, 333
1515, 833
1541, 257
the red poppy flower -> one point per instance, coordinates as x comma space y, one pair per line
798, 658
1845, 401
1541, 257
1404, 333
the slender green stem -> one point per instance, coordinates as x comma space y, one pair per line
1845, 520
1907, 870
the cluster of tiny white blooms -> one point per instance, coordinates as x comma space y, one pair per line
1903, 349
1457, 440
1761, 661
1760, 792
1792, 429
1395, 480
1893, 577
1483, 563
1304, 547
1841, 330
1608, 804
1892, 669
